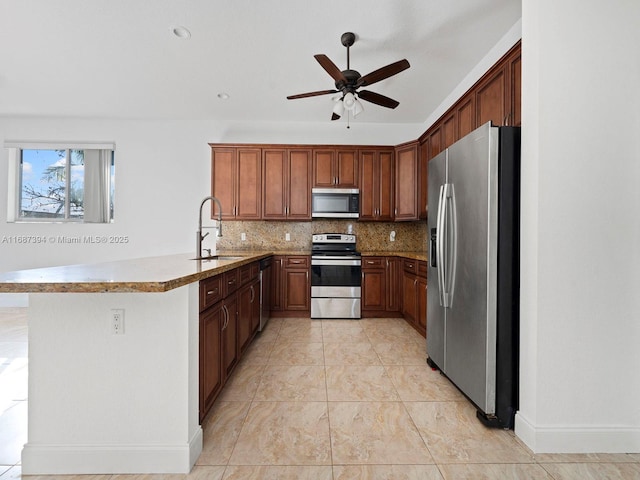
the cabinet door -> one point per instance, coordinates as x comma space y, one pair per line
299, 179
248, 185
277, 270
274, 184
409, 293
423, 160
245, 320
466, 116
346, 170
514, 66
421, 323
374, 285
394, 285
406, 183
386, 186
222, 180
369, 174
255, 306
211, 379
435, 142
296, 287
491, 97
323, 172
229, 335
450, 129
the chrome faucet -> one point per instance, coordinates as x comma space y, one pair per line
199, 235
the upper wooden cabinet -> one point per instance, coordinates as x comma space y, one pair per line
423, 161
335, 167
495, 98
376, 184
236, 182
406, 184
273, 182
286, 189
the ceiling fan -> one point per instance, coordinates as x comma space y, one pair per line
349, 81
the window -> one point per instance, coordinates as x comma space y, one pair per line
61, 182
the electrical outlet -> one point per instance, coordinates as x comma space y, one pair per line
392, 236
243, 237
287, 237
117, 321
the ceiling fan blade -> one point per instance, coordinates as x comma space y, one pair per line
311, 94
335, 116
378, 99
382, 73
330, 67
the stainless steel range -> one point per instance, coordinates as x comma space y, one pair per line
336, 276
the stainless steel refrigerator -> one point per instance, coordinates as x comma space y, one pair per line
473, 272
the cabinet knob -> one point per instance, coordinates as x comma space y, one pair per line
212, 292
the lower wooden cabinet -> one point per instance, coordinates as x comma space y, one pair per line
380, 296
374, 285
229, 336
248, 313
414, 294
229, 319
291, 285
211, 322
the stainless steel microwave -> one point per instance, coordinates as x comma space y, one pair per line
335, 202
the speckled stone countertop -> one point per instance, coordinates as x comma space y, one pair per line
412, 255
150, 274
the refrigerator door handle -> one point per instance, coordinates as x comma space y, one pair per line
444, 238
452, 246
440, 235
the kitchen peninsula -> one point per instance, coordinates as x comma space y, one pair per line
101, 402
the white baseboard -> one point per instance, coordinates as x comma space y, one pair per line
577, 439
111, 459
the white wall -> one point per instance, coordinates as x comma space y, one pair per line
162, 172
580, 309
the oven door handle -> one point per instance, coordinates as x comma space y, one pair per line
341, 262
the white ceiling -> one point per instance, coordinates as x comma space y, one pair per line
120, 59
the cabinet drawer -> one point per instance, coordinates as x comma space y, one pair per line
373, 262
210, 291
296, 262
249, 272
422, 269
230, 280
245, 274
410, 266
255, 269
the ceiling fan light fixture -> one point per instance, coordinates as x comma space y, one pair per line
349, 101
338, 108
357, 107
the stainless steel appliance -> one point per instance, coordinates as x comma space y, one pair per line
265, 288
336, 275
473, 272
335, 202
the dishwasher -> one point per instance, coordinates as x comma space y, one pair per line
265, 292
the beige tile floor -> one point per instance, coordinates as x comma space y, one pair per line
330, 400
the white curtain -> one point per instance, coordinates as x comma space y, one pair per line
97, 191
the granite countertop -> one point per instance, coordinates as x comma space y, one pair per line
149, 274
412, 255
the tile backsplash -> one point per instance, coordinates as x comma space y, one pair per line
371, 236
